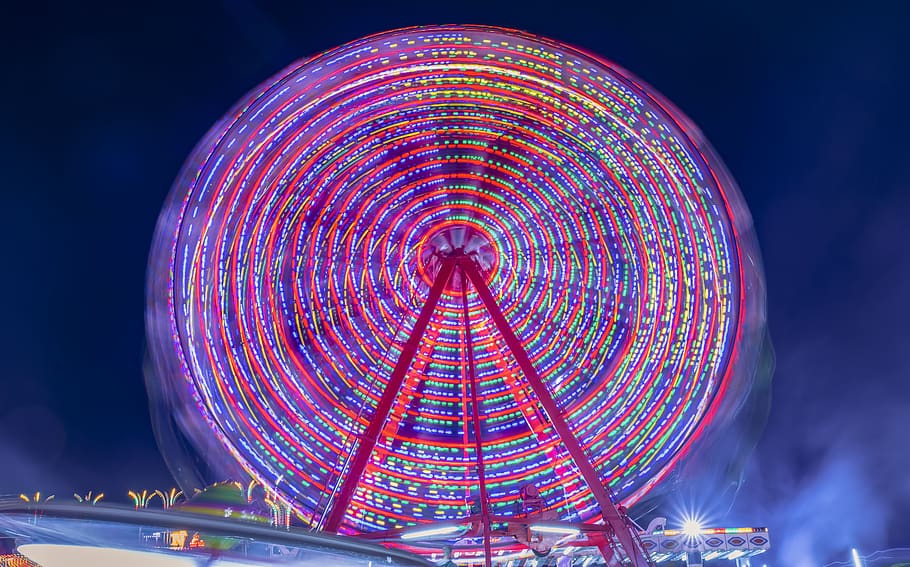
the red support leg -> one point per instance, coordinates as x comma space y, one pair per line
475, 418
377, 421
610, 514
609, 557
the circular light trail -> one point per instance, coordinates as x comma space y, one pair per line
304, 233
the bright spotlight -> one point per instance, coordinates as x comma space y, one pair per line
856, 561
692, 526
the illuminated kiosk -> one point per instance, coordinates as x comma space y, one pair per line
461, 287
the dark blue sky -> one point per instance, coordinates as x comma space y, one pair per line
805, 101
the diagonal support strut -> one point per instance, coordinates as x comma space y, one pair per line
611, 514
475, 418
377, 421
617, 521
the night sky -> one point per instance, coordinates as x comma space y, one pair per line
805, 102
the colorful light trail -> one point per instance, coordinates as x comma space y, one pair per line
303, 236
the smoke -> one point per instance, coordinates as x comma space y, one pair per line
832, 507
832, 472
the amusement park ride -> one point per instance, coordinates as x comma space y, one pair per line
461, 291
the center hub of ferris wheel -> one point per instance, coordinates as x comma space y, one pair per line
457, 239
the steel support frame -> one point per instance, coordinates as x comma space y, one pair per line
611, 515
377, 421
610, 558
475, 418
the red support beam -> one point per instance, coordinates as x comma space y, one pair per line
377, 420
609, 557
610, 514
475, 418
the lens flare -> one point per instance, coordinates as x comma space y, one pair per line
692, 527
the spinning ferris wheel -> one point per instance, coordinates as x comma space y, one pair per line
408, 278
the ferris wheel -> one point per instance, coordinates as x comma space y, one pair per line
417, 277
